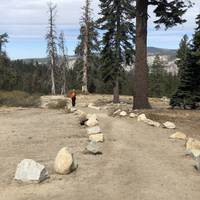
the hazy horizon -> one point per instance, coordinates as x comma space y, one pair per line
26, 23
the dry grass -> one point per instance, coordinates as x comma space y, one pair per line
19, 99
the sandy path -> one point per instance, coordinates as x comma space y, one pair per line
139, 162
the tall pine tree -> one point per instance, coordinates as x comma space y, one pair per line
188, 93
118, 39
182, 53
87, 52
169, 13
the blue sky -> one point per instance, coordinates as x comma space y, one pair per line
26, 23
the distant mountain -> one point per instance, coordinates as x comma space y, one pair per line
159, 51
168, 56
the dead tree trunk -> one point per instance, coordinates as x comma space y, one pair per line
141, 68
51, 45
86, 19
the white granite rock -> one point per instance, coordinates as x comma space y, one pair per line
28, 170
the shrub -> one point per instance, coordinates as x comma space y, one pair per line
19, 99
58, 104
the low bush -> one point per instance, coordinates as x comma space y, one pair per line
58, 104
18, 99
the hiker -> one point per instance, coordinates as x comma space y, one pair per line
73, 98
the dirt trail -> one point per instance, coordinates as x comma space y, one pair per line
138, 161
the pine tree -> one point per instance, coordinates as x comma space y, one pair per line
182, 53
87, 63
51, 38
118, 39
3, 40
188, 93
157, 73
169, 13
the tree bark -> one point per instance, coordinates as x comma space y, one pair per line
116, 91
53, 87
141, 68
85, 50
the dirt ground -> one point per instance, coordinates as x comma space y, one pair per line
138, 162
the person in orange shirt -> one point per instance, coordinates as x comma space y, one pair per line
73, 98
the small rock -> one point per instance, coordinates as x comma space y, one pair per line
178, 135
152, 123
192, 144
141, 117
169, 125
197, 166
117, 112
92, 120
93, 130
97, 137
132, 115
195, 153
65, 162
123, 114
91, 105
28, 170
93, 148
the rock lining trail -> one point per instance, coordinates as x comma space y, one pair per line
139, 161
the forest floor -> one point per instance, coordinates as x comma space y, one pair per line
139, 161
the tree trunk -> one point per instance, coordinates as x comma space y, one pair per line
116, 91
85, 62
141, 68
85, 46
0, 48
53, 87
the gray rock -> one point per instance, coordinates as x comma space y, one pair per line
169, 125
28, 170
93, 148
93, 130
197, 166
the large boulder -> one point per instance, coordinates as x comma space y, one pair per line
169, 125
178, 135
97, 137
92, 120
142, 117
28, 170
93, 148
93, 130
192, 144
64, 162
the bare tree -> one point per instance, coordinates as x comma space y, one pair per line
86, 20
64, 64
51, 44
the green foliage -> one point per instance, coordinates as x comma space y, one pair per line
18, 99
118, 37
182, 53
161, 83
188, 92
